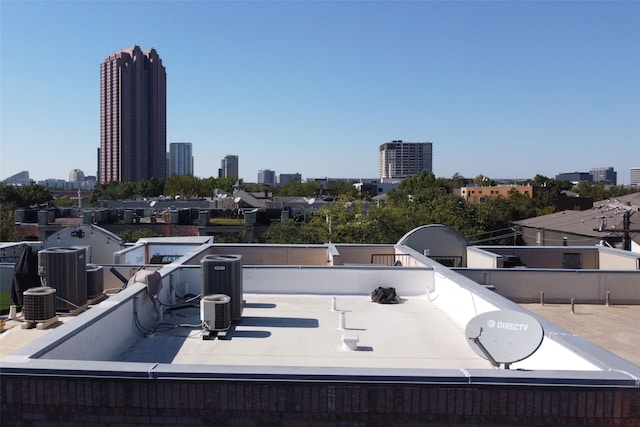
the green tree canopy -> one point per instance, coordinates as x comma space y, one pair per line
297, 189
14, 197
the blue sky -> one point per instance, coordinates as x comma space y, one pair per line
506, 89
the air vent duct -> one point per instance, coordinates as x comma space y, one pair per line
215, 312
65, 270
222, 274
39, 304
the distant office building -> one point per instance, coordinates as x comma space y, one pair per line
76, 175
21, 178
575, 177
133, 116
180, 159
59, 184
284, 178
266, 176
604, 174
634, 176
229, 167
480, 194
399, 159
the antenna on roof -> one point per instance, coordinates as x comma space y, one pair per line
504, 336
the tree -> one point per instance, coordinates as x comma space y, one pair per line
483, 180
184, 185
64, 202
152, 187
343, 221
337, 189
133, 235
11, 198
458, 181
114, 190
7, 226
298, 189
292, 232
210, 185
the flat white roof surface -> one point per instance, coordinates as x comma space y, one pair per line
294, 330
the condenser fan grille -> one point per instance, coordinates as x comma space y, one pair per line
216, 312
39, 304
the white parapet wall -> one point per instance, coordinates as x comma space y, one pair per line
336, 280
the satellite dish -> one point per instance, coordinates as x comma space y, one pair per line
311, 201
237, 199
153, 203
504, 336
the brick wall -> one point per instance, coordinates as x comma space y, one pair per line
67, 401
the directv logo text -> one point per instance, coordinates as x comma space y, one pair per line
508, 325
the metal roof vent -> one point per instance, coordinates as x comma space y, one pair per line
39, 304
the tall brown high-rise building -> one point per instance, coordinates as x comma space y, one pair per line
133, 116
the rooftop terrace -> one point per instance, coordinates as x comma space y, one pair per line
308, 327
303, 307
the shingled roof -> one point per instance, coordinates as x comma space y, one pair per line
588, 222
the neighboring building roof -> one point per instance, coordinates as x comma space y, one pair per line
587, 223
249, 199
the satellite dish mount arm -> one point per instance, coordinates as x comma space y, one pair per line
484, 350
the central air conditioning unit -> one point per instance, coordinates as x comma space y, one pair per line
95, 280
215, 312
39, 304
65, 270
222, 274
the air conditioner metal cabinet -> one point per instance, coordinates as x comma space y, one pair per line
95, 280
222, 274
65, 270
39, 304
215, 312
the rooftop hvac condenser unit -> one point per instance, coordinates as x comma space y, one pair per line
39, 304
65, 270
222, 274
95, 280
215, 312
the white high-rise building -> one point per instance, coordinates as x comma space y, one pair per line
399, 159
634, 176
76, 175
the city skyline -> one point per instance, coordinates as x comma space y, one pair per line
503, 89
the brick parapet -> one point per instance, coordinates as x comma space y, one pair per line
36, 401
